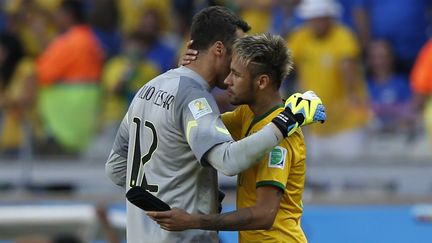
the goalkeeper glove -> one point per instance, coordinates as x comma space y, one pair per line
307, 107
286, 122
300, 110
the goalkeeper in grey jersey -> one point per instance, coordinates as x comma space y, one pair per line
172, 140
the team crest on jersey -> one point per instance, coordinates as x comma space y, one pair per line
199, 107
277, 157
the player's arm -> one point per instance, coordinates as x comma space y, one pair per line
233, 157
248, 151
362, 23
261, 216
115, 166
209, 139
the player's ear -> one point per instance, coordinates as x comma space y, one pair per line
263, 81
218, 48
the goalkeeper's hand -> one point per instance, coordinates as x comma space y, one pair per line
307, 108
300, 110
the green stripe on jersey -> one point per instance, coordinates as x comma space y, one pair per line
271, 183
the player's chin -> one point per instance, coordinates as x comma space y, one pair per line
234, 101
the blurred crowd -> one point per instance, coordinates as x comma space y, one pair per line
68, 69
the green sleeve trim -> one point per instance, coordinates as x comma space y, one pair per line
259, 118
271, 183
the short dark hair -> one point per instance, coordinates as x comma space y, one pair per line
76, 9
265, 54
215, 24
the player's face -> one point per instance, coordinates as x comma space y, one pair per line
321, 25
240, 85
225, 70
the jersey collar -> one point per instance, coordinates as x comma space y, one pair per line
261, 117
195, 76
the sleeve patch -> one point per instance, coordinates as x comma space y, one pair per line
277, 157
199, 107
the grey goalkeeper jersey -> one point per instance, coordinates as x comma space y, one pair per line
171, 123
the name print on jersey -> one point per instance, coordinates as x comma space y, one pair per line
157, 97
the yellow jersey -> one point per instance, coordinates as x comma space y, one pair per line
284, 167
318, 63
11, 129
132, 11
257, 13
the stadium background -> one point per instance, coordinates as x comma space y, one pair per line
50, 187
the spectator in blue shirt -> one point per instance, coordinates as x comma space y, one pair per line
402, 22
155, 48
389, 92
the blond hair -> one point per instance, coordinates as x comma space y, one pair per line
265, 54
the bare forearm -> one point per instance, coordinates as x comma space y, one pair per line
350, 73
242, 219
258, 217
361, 22
352, 78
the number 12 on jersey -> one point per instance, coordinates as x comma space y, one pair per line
138, 161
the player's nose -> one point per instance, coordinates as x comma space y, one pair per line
227, 80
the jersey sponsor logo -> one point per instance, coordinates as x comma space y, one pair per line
277, 157
199, 107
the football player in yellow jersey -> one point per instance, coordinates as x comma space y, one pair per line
268, 194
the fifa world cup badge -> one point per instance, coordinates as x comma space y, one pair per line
199, 107
277, 157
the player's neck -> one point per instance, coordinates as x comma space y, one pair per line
264, 103
204, 69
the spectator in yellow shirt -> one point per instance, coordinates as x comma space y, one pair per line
122, 76
326, 57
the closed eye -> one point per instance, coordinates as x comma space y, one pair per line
235, 73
